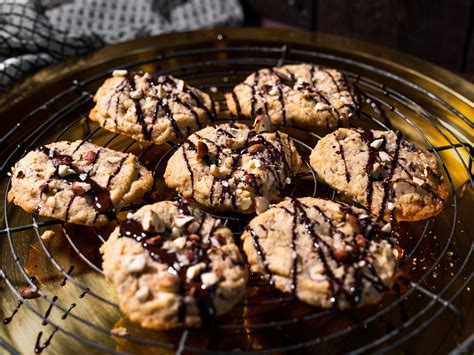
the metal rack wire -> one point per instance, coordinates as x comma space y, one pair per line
249, 325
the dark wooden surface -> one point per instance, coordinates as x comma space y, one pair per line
439, 31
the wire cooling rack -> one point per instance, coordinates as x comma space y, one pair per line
430, 308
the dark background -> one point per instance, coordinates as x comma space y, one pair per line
439, 31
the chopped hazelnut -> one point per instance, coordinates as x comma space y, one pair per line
387, 228
29, 292
209, 278
114, 159
64, 170
182, 220
136, 263
384, 156
342, 254
418, 181
320, 106
153, 240
119, 72
202, 150
152, 222
44, 187
195, 270
360, 240
353, 221
377, 143
80, 188
179, 242
142, 293
263, 124
90, 156
180, 85
261, 204
192, 228
136, 94
229, 143
255, 148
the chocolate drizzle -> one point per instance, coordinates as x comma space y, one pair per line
138, 108
260, 252
100, 197
69, 272
253, 99
7, 320
368, 137
38, 347
64, 316
386, 183
48, 311
340, 151
196, 252
281, 98
237, 104
271, 156
323, 98
356, 256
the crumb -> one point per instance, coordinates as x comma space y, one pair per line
48, 234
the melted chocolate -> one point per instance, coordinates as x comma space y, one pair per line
253, 99
281, 98
325, 252
100, 197
48, 311
237, 105
197, 252
260, 253
63, 282
368, 137
64, 316
39, 348
273, 158
138, 108
7, 320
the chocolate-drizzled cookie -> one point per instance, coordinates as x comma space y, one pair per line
174, 265
325, 253
151, 108
383, 172
301, 95
78, 182
232, 167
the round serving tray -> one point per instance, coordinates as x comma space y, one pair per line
429, 310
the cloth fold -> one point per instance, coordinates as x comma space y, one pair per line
34, 33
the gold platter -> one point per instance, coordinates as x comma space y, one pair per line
429, 310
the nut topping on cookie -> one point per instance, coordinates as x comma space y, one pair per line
152, 108
390, 182
304, 247
302, 95
240, 165
200, 275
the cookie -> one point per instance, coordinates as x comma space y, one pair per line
383, 172
151, 108
174, 265
302, 95
233, 167
78, 182
325, 253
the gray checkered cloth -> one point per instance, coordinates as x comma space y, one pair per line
35, 33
